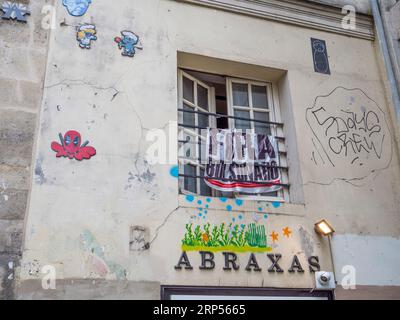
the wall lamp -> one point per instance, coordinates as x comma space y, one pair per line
324, 228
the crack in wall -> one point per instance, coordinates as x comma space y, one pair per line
162, 225
78, 82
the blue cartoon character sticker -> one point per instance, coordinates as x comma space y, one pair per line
76, 8
128, 43
85, 34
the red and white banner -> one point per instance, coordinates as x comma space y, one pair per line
238, 161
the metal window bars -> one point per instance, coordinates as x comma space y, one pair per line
217, 116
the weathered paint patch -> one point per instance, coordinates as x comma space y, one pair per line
39, 174
98, 259
3, 188
306, 242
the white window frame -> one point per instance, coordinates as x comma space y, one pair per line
182, 159
274, 116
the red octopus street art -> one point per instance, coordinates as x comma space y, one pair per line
71, 147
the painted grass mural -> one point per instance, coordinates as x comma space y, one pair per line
250, 238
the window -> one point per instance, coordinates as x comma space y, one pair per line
250, 100
196, 100
215, 101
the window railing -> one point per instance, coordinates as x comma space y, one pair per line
196, 129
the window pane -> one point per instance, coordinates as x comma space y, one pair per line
262, 128
205, 190
259, 94
240, 94
188, 117
188, 89
203, 120
189, 148
190, 183
242, 124
202, 97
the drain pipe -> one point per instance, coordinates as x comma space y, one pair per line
385, 52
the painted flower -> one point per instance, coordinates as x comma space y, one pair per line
205, 237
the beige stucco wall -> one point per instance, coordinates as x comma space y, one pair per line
114, 101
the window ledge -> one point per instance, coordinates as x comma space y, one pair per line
225, 205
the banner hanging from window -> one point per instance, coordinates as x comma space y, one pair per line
242, 161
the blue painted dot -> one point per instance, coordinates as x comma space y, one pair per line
204, 217
208, 199
242, 225
229, 207
201, 209
174, 171
189, 198
265, 216
207, 205
239, 202
199, 202
276, 204
200, 214
223, 199
240, 217
259, 209
233, 219
205, 211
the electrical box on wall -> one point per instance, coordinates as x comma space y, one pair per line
324, 280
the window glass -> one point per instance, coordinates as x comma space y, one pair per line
242, 124
203, 120
202, 97
188, 89
189, 147
259, 95
261, 128
240, 94
190, 183
188, 117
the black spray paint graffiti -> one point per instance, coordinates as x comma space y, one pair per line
350, 133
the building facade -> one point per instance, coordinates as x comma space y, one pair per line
104, 116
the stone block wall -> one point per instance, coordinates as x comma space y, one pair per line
23, 56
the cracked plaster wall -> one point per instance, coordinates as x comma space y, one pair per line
81, 213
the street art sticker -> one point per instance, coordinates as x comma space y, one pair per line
85, 34
234, 238
129, 42
320, 56
71, 147
77, 8
14, 11
351, 135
